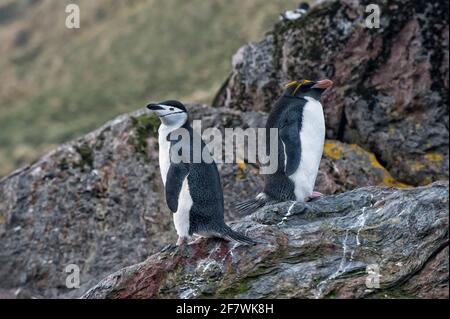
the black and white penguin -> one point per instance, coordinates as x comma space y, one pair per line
298, 116
295, 14
193, 189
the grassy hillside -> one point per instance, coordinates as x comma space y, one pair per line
57, 84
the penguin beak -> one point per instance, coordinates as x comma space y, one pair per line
154, 107
324, 84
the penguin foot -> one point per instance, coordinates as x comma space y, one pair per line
313, 196
196, 240
182, 241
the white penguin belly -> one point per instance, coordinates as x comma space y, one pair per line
312, 137
181, 217
164, 149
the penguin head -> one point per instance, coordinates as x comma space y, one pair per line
171, 113
303, 6
307, 88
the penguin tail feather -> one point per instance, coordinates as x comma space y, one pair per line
230, 234
251, 205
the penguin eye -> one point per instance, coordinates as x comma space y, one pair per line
172, 109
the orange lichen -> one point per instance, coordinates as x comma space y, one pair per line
333, 150
417, 166
241, 168
241, 164
374, 162
388, 180
426, 180
434, 157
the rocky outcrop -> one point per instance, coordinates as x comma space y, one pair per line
367, 243
391, 84
94, 202
98, 202
348, 166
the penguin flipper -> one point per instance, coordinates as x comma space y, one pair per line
174, 181
289, 134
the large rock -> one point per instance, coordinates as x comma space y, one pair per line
98, 202
367, 243
95, 202
391, 84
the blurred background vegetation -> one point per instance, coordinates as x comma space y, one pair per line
59, 83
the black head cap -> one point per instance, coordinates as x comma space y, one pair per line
307, 88
175, 103
172, 103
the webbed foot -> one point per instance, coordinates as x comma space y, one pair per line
313, 196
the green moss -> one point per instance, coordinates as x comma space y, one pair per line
63, 165
145, 126
331, 295
87, 155
101, 138
392, 293
237, 289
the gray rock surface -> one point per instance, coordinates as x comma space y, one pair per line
391, 84
367, 243
98, 202
94, 202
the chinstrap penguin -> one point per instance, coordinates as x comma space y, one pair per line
193, 189
298, 116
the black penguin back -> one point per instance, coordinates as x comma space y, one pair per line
289, 107
205, 188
